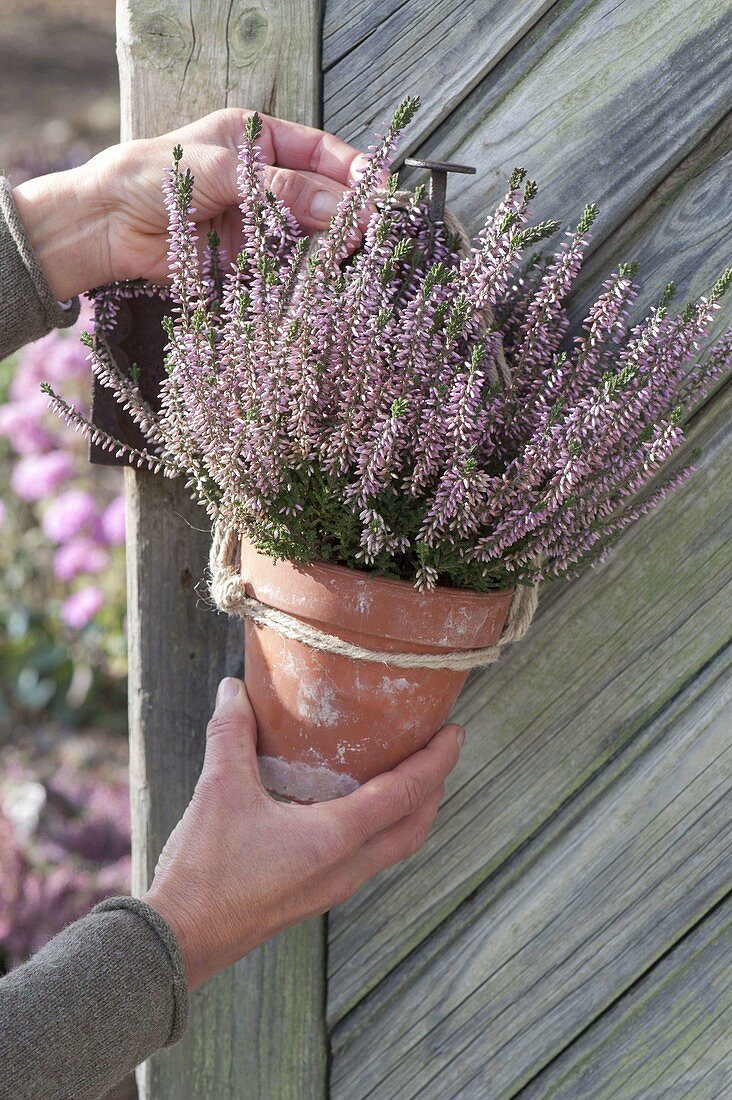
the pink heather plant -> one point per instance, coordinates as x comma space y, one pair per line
79, 556
79, 509
36, 477
81, 606
68, 514
406, 409
64, 846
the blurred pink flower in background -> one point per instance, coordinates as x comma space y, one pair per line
81, 607
54, 358
37, 476
19, 423
79, 507
79, 555
64, 845
112, 523
67, 515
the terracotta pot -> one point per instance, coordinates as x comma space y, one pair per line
328, 723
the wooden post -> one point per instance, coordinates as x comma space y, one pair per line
257, 1030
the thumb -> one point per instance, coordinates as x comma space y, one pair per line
231, 735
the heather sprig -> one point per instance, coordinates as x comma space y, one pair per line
412, 406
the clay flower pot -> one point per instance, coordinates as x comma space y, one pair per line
327, 723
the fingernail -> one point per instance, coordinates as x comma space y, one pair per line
359, 166
461, 737
323, 206
228, 689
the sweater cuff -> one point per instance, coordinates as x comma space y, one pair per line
170, 943
29, 307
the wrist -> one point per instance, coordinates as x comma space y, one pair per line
64, 226
183, 928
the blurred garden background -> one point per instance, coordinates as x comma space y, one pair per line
64, 815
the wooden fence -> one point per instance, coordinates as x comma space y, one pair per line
566, 930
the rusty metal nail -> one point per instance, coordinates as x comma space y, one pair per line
438, 181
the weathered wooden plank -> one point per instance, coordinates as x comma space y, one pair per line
599, 101
681, 230
509, 983
179, 60
592, 671
346, 23
439, 49
179, 650
669, 1037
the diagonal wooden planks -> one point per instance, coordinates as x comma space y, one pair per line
599, 102
590, 674
347, 23
374, 55
682, 229
668, 1038
515, 978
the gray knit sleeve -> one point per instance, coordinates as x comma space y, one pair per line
97, 1000
28, 309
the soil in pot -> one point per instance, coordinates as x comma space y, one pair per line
326, 722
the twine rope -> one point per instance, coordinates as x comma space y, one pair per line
228, 587
228, 591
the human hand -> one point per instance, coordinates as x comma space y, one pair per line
240, 867
106, 220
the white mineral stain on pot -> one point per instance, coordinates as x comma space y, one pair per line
341, 752
316, 703
393, 687
289, 663
271, 594
363, 601
458, 625
304, 782
316, 756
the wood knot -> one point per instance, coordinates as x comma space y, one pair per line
161, 37
247, 33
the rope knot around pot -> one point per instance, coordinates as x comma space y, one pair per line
227, 587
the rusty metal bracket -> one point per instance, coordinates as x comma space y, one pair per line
438, 170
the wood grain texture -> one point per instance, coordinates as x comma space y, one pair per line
598, 100
668, 1038
682, 230
179, 60
511, 979
346, 23
595, 667
374, 55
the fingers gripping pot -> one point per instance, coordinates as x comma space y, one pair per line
348, 673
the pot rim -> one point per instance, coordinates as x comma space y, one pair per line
335, 597
447, 590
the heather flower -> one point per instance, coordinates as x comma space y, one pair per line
68, 514
21, 424
81, 606
417, 406
64, 844
112, 522
36, 477
80, 555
